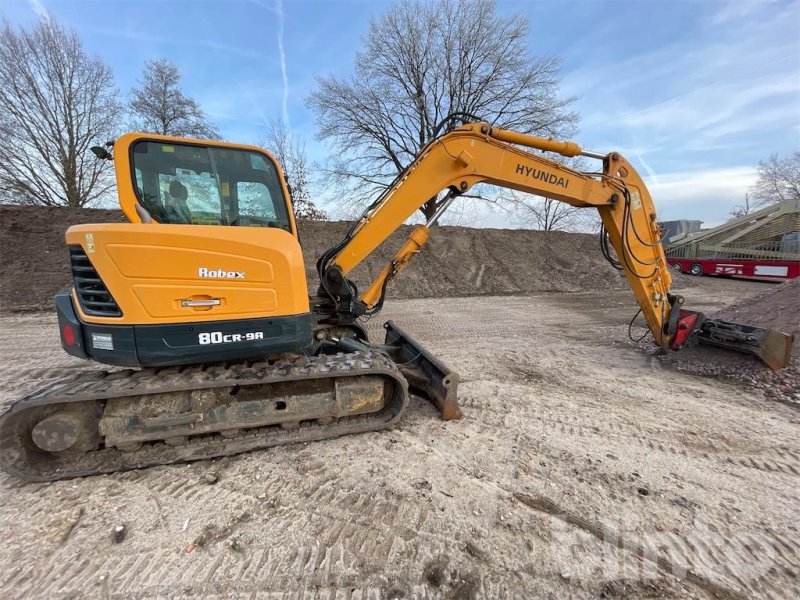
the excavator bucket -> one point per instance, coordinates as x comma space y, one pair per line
424, 371
771, 346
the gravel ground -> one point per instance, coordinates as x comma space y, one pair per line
777, 306
583, 468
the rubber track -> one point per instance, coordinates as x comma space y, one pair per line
104, 385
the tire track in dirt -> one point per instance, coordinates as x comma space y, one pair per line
728, 564
704, 566
723, 569
350, 527
574, 427
345, 519
742, 563
349, 541
779, 458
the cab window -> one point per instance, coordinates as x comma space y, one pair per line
187, 184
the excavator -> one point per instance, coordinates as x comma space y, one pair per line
202, 298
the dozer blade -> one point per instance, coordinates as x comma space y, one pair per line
771, 346
424, 371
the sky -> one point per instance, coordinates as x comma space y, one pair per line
694, 92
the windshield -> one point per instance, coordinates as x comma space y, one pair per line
202, 185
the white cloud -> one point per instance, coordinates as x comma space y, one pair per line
694, 95
732, 10
172, 41
721, 103
707, 194
693, 113
282, 55
38, 7
650, 172
277, 9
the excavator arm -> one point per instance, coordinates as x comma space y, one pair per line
477, 153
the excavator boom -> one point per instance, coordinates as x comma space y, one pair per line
478, 153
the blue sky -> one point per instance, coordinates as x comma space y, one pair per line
695, 93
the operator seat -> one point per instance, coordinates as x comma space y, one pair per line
175, 205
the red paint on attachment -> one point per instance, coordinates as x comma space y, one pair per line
686, 323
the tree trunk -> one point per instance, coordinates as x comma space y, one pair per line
71, 182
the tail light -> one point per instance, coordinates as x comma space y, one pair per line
68, 333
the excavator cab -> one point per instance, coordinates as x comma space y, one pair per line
209, 267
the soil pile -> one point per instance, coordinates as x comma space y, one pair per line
458, 261
33, 252
776, 308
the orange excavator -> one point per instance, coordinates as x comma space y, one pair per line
202, 298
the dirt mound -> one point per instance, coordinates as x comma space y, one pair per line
33, 253
458, 261
776, 308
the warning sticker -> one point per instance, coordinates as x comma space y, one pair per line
102, 341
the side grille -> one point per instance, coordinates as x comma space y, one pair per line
92, 293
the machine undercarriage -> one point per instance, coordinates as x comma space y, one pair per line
106, 421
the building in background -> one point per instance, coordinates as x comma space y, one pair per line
675, 230
762, 245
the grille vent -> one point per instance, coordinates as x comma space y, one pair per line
92, 293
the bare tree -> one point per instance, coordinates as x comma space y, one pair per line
158, 105
425, 60
741, 210
545, 214
291, 154
55, 103
778, 180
